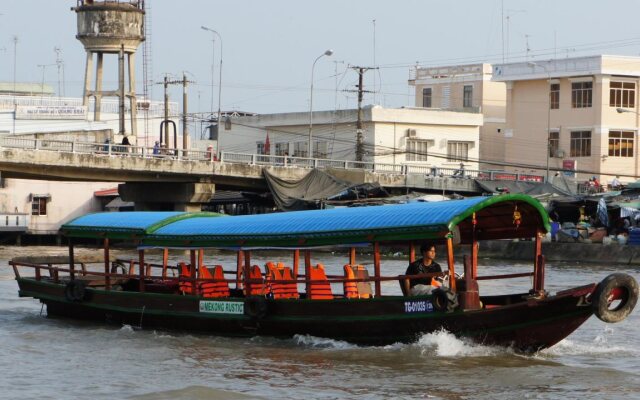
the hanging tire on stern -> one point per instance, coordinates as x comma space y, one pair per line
75, 290
444, 300
256, 307
615, 297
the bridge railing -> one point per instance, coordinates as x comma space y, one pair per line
114, 149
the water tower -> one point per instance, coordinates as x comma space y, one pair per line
117, 28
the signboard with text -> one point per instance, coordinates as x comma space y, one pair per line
569, 167
51, 112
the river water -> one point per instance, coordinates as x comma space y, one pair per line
44, 358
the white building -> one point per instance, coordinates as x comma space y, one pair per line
429, 137
49, 204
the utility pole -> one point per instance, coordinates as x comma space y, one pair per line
185, 130
166, 111
60, 64
15, 67
359, 125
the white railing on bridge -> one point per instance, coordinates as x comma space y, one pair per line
192, 155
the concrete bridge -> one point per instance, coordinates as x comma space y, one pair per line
188, 178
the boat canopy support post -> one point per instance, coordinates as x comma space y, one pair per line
72, 267
193, 259
452, 268
296, 263
200, 258
412, 252
107, 275
141, 269
352, 256
376, 267
307, 271
165, 262
247, 271
239, 261
470, 297
538, 266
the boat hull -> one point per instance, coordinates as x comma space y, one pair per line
527, 325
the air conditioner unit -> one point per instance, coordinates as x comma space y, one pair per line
411, 133
559, 153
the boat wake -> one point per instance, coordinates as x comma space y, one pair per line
440, 344
601, 344
322, 343
445, 344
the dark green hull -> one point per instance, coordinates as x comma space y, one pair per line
527, 325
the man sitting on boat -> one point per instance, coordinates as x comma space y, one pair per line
425, 265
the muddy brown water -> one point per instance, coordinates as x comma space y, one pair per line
48, 358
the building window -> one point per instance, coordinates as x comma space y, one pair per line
467, 96
282, 148
427, 97
320, 149
554, 143
446, 95
581, 144
260, 148
300, 149
417, 149
457, 151
581, 94
622, 94
39, 206
554, 96
621, 143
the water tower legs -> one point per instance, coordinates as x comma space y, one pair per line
98, 92
132, 94
87, 78
123, 91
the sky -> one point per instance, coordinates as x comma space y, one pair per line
269, 47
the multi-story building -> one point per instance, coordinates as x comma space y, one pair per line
466, 88
32, 112
429, 137
573, 114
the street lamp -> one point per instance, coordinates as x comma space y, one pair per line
548, 112
215, 33
326, 53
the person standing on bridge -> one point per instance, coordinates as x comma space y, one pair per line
125, 144
156, 148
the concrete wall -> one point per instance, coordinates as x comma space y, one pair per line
68, 200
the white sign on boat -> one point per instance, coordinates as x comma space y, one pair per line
222, 307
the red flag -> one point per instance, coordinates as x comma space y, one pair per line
267, 145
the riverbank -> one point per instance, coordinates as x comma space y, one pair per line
565, 252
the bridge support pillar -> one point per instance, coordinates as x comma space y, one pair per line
167, 196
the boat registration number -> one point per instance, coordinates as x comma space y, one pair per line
418, 306
222, 307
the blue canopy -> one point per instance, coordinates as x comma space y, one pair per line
503, 216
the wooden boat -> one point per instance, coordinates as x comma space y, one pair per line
247, 300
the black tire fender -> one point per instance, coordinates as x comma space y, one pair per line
617, 286
444, 300
256, 307
75, 290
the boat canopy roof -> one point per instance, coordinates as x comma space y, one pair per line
496, 217
125, 225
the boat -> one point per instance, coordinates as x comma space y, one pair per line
296, 296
